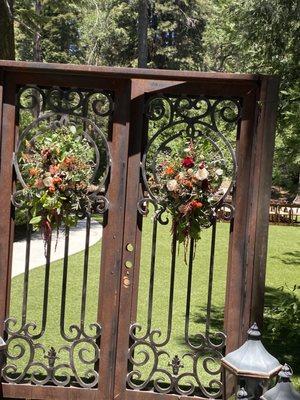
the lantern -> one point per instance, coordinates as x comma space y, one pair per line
251, 364
284, 389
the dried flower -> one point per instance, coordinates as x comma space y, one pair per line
48, 181
202, 174
190, 171
172, 185
53, 169
57, 180
33, 171
38, 183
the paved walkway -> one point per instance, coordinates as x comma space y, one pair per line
37, 258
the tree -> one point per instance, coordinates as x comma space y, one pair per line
174, 34
263, 36
49, 30
60, 34
7, 41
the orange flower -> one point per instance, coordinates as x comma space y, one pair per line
51, 189
57, 180
33, 171
69, 162
169, 171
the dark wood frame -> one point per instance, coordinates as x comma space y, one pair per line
249, 230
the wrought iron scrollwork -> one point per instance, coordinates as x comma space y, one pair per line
21, 345
205, 121
85, 103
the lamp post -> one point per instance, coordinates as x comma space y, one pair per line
252, 365
284, 389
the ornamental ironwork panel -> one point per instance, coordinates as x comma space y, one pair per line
188, 172
50, 113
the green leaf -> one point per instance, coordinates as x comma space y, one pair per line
35, 220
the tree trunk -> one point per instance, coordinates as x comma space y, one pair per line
7, 39
37, 50
142, 34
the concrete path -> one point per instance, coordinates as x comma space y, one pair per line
37, 257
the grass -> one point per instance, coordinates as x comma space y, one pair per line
283, 271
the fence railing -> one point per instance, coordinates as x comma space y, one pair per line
284, 213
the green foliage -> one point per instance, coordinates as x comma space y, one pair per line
283, 318
262, 36
52, 25
61, 31
175, 37
111, 33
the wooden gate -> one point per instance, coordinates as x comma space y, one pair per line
133, 120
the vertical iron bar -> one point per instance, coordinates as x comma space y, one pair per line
46, 289
211, 275
171, 296
189, 290
64, 283
26, 273
85, 271
152, 275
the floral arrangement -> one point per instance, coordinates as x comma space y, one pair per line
57, 167
187, 183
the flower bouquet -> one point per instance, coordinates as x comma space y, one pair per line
57, 167
186, 183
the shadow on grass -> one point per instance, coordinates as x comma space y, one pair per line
216, 325
289, 258
281, 331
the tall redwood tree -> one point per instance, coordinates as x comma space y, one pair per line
7, 41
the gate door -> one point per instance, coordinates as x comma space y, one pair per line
133, 219
190, 139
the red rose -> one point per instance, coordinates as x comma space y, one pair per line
195, 204
188, 162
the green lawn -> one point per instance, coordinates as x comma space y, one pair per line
283, 271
